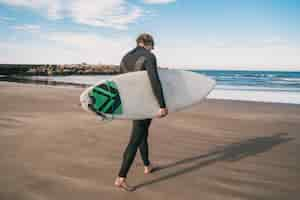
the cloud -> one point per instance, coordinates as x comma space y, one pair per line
158, 1
263, 56
50, 7
116, 14
106, 13
66, 48
92, 48
28, 28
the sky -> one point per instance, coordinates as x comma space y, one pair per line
193, 34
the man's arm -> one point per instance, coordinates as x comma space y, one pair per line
151, 67
122, 67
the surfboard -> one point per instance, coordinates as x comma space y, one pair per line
130, 96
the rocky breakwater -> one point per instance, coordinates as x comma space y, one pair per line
66, 69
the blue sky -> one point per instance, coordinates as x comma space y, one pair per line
216, 34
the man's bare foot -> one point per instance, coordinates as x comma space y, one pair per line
121, 183
148, 169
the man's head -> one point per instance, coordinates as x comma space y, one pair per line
145, 40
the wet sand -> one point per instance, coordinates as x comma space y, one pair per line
51, 149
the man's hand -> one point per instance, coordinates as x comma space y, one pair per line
162, 112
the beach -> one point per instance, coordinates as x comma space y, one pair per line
220, 149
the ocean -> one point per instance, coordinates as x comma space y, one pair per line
261, 86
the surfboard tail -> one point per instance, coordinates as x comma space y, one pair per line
85, 100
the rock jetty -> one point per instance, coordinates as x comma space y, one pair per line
64, 69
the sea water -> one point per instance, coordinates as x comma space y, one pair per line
262, 86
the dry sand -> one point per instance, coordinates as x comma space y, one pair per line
51, 149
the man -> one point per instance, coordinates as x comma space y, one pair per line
141, 58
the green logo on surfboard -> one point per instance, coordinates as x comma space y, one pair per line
106, 99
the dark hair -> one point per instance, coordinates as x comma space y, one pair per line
145, 38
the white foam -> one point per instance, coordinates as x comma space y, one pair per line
257, 88
290, 79
259, 96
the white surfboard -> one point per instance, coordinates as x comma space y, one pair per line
130, 96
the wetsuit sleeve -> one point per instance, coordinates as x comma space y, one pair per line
151, 67
122, 67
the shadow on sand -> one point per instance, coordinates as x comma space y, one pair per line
231, 152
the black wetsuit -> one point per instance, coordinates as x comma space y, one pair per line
136, 60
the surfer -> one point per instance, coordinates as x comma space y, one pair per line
141, 58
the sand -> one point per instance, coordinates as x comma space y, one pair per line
51, 149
